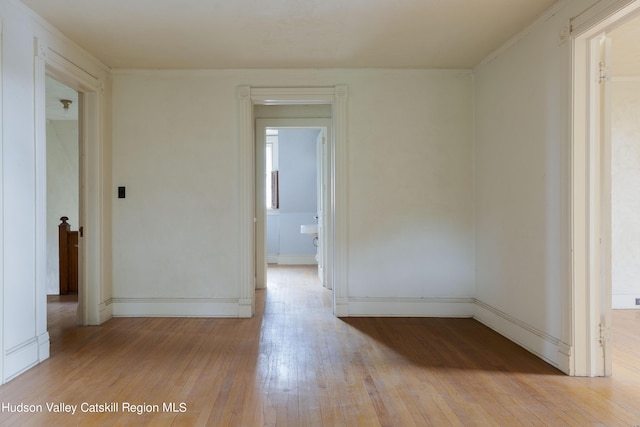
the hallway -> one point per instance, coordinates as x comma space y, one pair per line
295, 364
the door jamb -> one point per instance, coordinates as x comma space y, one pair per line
2, 345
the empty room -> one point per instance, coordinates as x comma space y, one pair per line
319, 213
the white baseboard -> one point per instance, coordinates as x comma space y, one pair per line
624, 301
20, 358
543, 345
246, 308
292, 259
179, 307
106, 311
44, 345
341, 307
410, 307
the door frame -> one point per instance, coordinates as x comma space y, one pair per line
2, 345
336, 96
322, 124
589, 306
91, 176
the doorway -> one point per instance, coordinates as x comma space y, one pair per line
625, 164
63, 177
623, 114
291, 191
93, 218
336, 212
63, 198
591, 187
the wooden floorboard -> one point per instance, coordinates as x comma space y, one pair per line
295, 364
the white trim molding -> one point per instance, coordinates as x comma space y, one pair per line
624, 79
2, 181
92, 174
336, 267
21, 357
410, 307
551, 11
246, 179
624, 301
595, 15
548, 348
272, 258
106, 310
178, 307
292, 259
75, 74
40, 225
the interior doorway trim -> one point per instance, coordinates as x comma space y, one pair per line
589, 309
90, 254
336, 96
2, 345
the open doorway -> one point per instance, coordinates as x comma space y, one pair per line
249, 100
93, 306
596, 196
291, 183
624, 115
625, 165
63, 205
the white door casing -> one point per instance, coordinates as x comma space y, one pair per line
91, 149
336, 224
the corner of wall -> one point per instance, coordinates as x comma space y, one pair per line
553, 10
538, 342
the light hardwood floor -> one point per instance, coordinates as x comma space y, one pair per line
294, 364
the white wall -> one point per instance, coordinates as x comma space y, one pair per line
521, 177
410, 191
24, 338
625, 194
62, 190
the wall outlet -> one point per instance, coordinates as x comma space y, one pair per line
637, 301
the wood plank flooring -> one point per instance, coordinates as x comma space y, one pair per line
294, 364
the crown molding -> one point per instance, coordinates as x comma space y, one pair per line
57, 34
548, 14
597, 13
